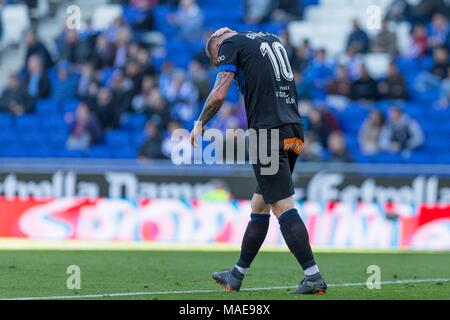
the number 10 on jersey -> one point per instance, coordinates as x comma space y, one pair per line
279, 59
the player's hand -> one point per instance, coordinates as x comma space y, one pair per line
197, 131
222, 31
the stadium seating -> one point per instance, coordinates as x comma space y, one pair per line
47, 130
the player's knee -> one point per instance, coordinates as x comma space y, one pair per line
279, 207
261, 208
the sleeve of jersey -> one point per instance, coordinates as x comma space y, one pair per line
227, 59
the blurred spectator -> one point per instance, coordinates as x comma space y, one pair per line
365, 88
430, 80
285, 10
394, 85
122, 41
71, 48
85, 129
369, 133
385, 41
358, 39
106, 109
36, 47
397, 10
353, 62
2, 4
337, 148
439, 29
322, 123
104, 53
87, 75
415, 11
180, 139
302, 56
143, 58
14, 98
257, 11
419, 41
144, 20
36, 79
226, 118
320, 70
151, 148
157, 109
312, 149
139, 102
340, 85
401, 133
303, 86
182, 96
200, 77
188, 19
122, 91
283, 35
445, 91
64, 84
74, 49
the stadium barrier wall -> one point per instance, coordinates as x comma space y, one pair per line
350, 183
358, 206
337, 225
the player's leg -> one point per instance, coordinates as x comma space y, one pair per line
255, 233
254, 236
292, 227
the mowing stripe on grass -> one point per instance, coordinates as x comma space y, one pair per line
151, 293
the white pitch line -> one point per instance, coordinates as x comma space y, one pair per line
151, 293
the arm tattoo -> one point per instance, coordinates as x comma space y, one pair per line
212, 106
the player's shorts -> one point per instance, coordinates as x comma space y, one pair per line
278, 186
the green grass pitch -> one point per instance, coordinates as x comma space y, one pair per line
43, 274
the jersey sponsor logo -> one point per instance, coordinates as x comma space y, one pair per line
221, 58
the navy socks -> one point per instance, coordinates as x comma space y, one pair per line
296, 237
253, 238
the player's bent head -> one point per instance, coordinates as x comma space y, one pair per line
213, 44
212, 49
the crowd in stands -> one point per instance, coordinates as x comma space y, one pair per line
116, 83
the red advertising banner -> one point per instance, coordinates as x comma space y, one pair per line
331, 225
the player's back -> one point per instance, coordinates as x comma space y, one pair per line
264, 77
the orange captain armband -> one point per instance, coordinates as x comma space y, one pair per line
293, 144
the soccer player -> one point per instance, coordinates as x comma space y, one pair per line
259, 64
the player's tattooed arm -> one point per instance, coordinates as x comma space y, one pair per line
216, 97
213, 103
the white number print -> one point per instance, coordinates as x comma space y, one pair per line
279, 59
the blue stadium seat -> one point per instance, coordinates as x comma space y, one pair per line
135, 121
26, 122
64, 153
99, 152
46, 106
8, 138
70, 105
117, 138
125, 152
5, 121
30, 138
52, 122
12, 151
41, 151
420, 157
385, 157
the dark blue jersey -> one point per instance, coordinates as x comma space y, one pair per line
264, 78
